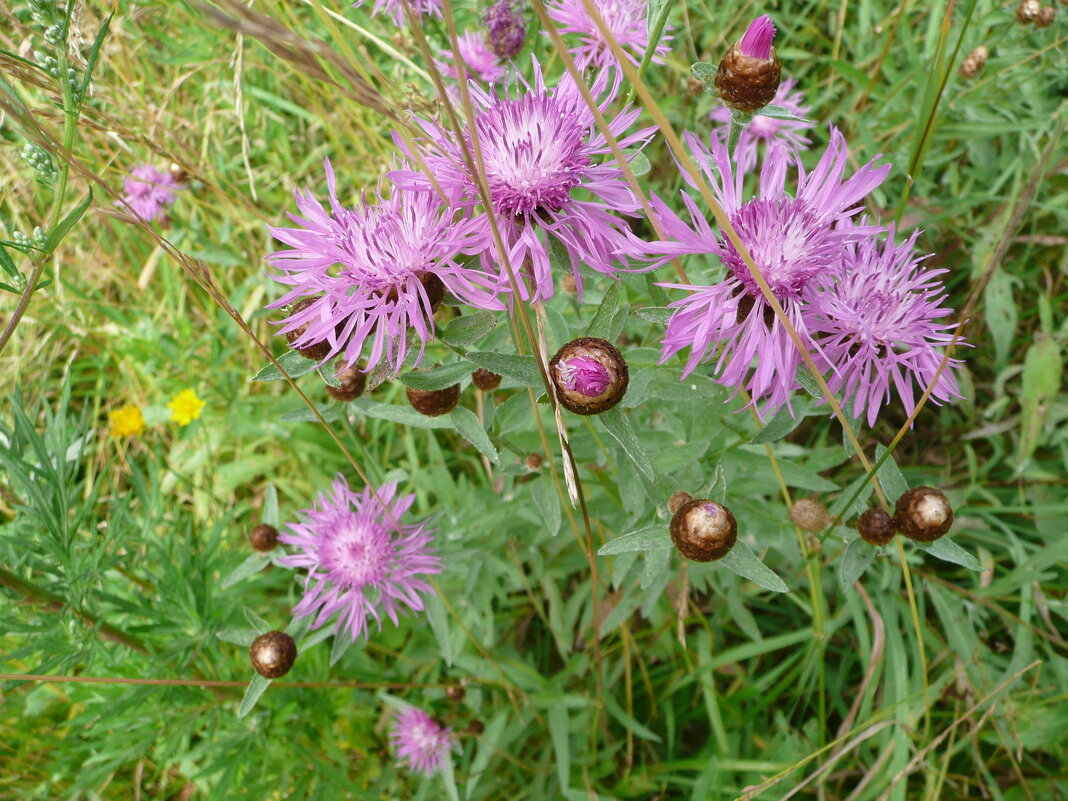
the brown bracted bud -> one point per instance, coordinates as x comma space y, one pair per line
485, 380
974, 62
273, 654
476, 727
923, 514
568, 284
455, 692
434, 402
1027, 11
263, 538
876, 527
749, 75
590, 375
678, 500
534, 461
353, 382
704, 530
317, 351
179, 173
809, 515
1045, 16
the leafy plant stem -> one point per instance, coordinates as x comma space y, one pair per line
650, 50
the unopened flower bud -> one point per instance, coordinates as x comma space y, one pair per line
273, 654
485, 380
677, 500
476, 727
809, 515
534, 461
263, 538
750, 73
704, 530
974, 62
923, 514
317, 351
875, 526
179, 173
1027, 11
506, 29
590, 375
353, 382
434, 402
1045, 16
455, 692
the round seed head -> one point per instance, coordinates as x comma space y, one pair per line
434, 402
1045, 16
1027, 11
923, 514
534, 461
974, 62
809, 515
273, 654
876, 526
476, 727
263, 538
704, 530
677, 500
455, 692
590, 375
353, 382
317, 351
485, 380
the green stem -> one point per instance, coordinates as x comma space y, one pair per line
650, 50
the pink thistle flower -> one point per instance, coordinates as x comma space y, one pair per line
362, 562
506, 28
878, 324
375, 272
148, 192
757, 39
585, 375
762, 128
792, 239
419, 741
539, 146
478, 57
626, 21
396, 10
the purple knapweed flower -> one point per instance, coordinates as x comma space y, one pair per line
585, 375
626, 22
478, 57
757, 39
762, 128
375, 271
397, 10
878, 324
506, 28
362, 561
148, 192
419, 742
792, 239
539, 146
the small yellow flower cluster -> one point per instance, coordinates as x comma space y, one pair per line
129, 422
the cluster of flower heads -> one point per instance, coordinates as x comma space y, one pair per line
531, 184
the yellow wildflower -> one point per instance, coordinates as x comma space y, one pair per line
185, 408
127, 421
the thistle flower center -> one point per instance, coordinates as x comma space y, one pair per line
357, 555
533, 152
585, 375
787, 242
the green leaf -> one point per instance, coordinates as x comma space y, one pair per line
890, 477
93, 55
741, 560
405, 415
1042, 371
523, 369
328, 373
242, 637
341, 644
467, 426
617, 424
656, 565
257, 622
270, 506
256, 688
639, 162
613, 708
302, 414
650, 538
292, 362
55, 236
8, 264
438, 377
716, 489
706, 74
808, 382
606, 312
1000, 313
469, 329
783, 423
558, 732
439, 624
779, 113
548, 503
856, 560
654, 314
947, 550
254, 564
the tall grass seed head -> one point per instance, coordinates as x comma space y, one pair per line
627, 26
363, 563
420, 743
704, 530
749, 74
590, 375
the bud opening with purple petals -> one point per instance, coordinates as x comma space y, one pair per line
590, 375
749, 75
